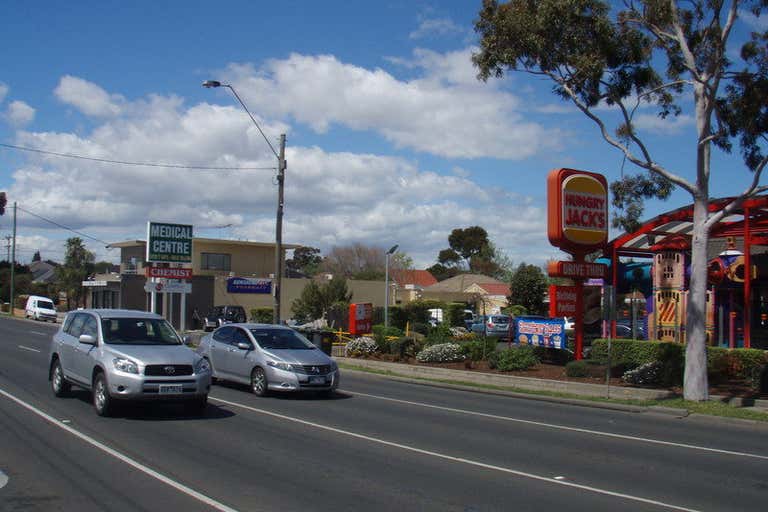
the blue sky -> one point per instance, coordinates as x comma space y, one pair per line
390, 138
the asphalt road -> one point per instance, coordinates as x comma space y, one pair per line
377, 445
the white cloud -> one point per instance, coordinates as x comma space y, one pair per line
436, 27
672, 125
19, 113
445, 112
88, 97
3, 91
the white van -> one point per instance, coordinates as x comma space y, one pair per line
40, 308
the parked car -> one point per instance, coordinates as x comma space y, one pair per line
268, 358
40, 308
492, 325
221, 315
126, 355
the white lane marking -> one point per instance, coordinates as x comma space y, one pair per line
456, 459
28, 348
124, 458
3, 479
563, 427
40, 333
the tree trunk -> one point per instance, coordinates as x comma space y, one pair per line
695, 385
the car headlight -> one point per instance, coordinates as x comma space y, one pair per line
202, 366
280, 365
125, 365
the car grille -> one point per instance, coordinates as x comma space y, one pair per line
312, 369
168, 370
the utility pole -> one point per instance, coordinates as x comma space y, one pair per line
8, 248
281, 165
13, 259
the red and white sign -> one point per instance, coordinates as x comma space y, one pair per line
577, 210
360, 318
575, 269
169, 272
562, 300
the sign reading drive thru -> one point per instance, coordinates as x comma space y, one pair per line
169, 243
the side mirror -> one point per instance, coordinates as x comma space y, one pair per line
187, 340
87, 339
244, 346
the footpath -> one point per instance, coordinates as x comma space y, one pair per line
579, 393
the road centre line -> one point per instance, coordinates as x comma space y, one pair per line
40, 333
28, 348
123, 458
563, 427
470, 462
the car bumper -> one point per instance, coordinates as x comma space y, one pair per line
129, 386
281, 380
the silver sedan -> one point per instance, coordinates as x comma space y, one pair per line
268, 358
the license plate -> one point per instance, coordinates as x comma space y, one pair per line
170, 389
317, 380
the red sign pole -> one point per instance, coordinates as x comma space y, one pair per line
579, 316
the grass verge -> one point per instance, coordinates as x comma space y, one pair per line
711, 408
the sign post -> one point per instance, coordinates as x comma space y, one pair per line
577, 223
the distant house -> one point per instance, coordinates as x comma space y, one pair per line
408, 285
42, 272
486, 294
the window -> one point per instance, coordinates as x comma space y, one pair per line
240, 337
76, 326
223, 335
90, 327
214, 261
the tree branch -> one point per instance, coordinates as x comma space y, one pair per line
751, 191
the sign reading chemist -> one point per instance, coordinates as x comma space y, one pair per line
169, 243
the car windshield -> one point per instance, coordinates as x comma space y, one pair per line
138, 331
499, 319
45, 304
281, 339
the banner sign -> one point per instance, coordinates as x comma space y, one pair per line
169, 243
167, 287
541, 332
360, 318
170, 273
248, 285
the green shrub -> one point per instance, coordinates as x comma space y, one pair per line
420, 327
577, 368
381, 333
440, 334
441, 353
261, 315
404, 347
630, 354
513, 359
553, 355
479, 349
454, 314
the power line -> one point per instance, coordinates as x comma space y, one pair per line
64, 227
138, 164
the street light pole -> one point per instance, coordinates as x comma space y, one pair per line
281, 166
386, 284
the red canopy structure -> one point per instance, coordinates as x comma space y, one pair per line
746, 226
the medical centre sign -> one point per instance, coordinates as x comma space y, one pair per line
169, 243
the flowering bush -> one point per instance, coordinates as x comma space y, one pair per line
441, 353
363, 346
647, 374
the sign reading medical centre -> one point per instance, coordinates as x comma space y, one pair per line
577, 203
169, 243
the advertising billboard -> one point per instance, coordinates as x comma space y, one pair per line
248, 285
541, 332
577, 204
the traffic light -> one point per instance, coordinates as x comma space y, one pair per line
3, 202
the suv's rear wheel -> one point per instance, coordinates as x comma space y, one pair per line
102, 402
59, 384
259, 384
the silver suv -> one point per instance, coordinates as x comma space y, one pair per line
126, 355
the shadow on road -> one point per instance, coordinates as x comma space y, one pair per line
286, 395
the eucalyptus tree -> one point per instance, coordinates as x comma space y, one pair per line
662, 54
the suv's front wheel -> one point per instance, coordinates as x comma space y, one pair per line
102, 402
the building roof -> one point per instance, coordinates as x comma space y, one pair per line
461, 282
420, 278
212, 241
42, 272
495, 288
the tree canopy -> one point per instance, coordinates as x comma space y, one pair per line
470, 251
305, 262
78, 265
528, 287
662, 54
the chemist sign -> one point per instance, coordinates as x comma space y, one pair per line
169, 243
